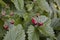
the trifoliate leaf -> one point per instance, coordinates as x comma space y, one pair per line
16, 33
32, 33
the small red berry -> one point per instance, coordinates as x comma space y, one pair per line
34, 21
12, 21
40, 24
6, 27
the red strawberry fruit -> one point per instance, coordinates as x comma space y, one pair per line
6, 27
40, 24
12, 21
34, 21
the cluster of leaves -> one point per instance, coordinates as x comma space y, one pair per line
16, 16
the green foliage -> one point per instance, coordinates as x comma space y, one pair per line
33, 33
19, 4
2, 31
45, 11
2, 3
16, 33
56, 23
44, 5
29, 7
58, 37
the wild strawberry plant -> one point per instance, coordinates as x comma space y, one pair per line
30, 19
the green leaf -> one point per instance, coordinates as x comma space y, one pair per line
56, 23
18, 21
53, 7
58, 37
16, 33
42, 18
46, 29
19, 4
2, 3
32, 33
59, 13
44, 5
29, 7
2, 31
26, 16
1, 22
49, 39
58, 2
